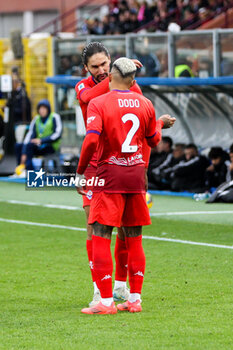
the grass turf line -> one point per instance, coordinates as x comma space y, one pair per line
187, 294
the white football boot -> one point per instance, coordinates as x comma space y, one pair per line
121, 294
96, 299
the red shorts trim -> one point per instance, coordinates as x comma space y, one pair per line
119, 209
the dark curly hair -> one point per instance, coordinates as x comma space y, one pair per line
91, 49
215, 152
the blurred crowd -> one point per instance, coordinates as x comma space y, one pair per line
182, 167
125, 16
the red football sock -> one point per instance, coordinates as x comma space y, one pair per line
121, 257
103, 265
136, 263
90, 258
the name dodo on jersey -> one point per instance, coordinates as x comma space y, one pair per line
128, 102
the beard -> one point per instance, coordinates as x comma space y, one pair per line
101, 77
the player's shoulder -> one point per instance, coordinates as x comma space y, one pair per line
100, 100
145, 100
84, 83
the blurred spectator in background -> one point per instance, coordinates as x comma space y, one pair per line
19, 114
183, 70
144, 13
127, 16
190, 17
163, 60
158, 155
162, 174
1, 137
1, 126
216, 173
97, 27
189, 175
124, 22
76, 61
65, 65
134, 23
151, 65
229, 176
43, 137
181, 6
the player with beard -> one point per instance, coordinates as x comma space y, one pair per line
96, 61
117, 135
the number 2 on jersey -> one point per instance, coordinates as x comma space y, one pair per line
126, 147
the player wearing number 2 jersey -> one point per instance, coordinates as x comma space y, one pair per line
117, 124
96, 61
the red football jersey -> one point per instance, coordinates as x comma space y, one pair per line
86, 90
122, 119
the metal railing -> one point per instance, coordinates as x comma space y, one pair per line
209, 53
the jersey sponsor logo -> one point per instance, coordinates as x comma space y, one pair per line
137, 159
90, 119
91, 265
106, 277
118, 161
128, 102
139, 273
81, 86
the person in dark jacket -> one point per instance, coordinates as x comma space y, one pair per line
189, 175
162, 174
158, 155
216, 173
19, 113
230, 166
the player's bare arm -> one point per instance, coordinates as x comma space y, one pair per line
137, 63
167, 120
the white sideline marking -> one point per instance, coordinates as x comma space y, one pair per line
73, 228
54, 206
192, 213
187, 242
67, 207
42, 224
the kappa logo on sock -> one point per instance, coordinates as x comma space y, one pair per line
91, 265
106, 277
139, 273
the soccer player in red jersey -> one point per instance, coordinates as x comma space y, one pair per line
96, 60
117, 124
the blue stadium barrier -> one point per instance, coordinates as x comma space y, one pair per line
170, 193
72, 81
10, 179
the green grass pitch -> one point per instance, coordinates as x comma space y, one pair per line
45, 279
